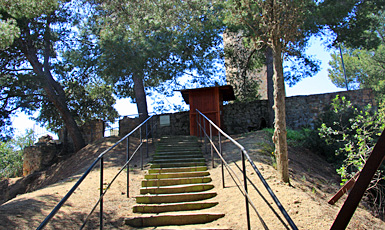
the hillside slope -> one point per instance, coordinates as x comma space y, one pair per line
313, 182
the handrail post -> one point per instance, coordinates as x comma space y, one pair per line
245, 185
128, 165
204, 134
220, 152
200, 127
196, 118
141, 149
101, 193
152, 130
146, 140
211, 147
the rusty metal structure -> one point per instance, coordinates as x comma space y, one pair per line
360, 185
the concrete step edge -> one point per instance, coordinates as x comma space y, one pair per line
177, 175
174, 198
181, 219
175, 189
173, 181
176, 165
179, 169
172, 207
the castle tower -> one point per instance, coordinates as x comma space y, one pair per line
244, 69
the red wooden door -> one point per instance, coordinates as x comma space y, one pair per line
207, 101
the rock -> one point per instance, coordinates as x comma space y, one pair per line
41, 155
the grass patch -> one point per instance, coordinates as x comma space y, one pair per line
294, 137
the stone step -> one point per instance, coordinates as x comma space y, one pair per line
178, 143
180, 169
177, 149
176, 189
173, 207
173, 198
184, 152
183, 155
176, 165
176, 175
179, 219
175, 181
179, 138
178, 160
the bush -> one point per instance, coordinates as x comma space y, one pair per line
11, 155
294, 137
347, 136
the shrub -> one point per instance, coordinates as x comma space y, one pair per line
347, 136
11, 155
294, 137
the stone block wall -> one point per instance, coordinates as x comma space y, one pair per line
41, 155
126, 125
241, 117
178, 125
93, 131
301, 111
244, 117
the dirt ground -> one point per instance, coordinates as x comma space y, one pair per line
312, 183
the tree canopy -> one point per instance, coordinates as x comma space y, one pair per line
141, 45
281, 26
32, 75
352, 22
364, 67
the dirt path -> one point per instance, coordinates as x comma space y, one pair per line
313, 182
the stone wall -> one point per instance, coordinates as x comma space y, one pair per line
167, 124
241, 117
41, 155
301, 111
93, 131
126, 125
244, 117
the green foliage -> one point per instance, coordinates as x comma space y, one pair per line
8, 32
350, 133
353, 22
294, 137
87, 101
155, 41
11, 155
32, 64
243, 62
364, 69
296, 25
355, 130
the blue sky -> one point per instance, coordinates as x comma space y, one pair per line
318, 84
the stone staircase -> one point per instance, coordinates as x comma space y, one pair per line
177, 187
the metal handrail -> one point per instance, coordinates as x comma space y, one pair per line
100, 159
245, 155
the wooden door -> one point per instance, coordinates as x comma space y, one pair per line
207, 101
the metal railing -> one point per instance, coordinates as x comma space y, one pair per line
146, 129
203, 124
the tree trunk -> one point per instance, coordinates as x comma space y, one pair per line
55, 94
270, 85
279, 137
140, 95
